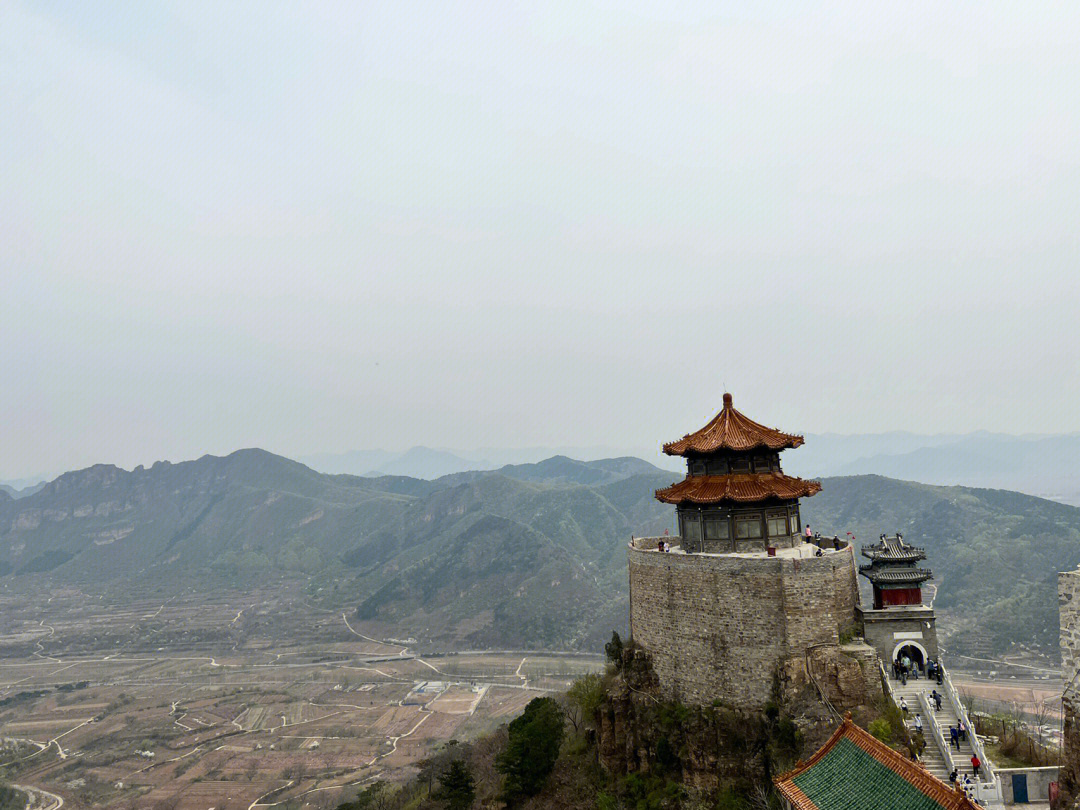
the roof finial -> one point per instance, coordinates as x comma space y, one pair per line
727, 400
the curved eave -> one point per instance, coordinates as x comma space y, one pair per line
881, 577
692, 445
885, 556
737, 488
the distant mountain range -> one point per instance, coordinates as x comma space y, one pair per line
20, 489
1038, 465
431, 463
527, 555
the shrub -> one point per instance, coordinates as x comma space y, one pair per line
881, 729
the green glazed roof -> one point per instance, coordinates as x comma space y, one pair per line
848, 778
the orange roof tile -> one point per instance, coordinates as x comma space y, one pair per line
741, 487
730, 430
854, 769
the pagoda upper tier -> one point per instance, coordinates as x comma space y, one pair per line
735, 497
730, 430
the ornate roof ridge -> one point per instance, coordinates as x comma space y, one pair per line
731, 430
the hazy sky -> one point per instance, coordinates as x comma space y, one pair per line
460, 224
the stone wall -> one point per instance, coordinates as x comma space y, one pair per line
884, 629
1069, 607
719, 627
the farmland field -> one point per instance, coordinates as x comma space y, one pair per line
257, 699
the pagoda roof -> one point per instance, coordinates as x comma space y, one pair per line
895, 576
854, 770
739, 487
893, 549
730, 430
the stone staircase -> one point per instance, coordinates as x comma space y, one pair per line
946, 717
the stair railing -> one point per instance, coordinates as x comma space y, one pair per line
936, 732
890, 694
976, 744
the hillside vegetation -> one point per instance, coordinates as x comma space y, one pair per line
529, 555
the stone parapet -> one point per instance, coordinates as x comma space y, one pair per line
719, 626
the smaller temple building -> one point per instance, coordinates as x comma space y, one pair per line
856, 771
899, 622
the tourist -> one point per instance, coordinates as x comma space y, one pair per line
975, 765
963, 730
954, 737
954, 775
809, 534
918, 724
937, 700
659, 545
903, 707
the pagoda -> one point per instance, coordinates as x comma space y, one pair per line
894, 573
735, 497
899, 622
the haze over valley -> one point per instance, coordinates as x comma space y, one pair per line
545, 406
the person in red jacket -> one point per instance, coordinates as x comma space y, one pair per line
975, 765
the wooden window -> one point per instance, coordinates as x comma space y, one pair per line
794, 522
716, 528
691, 529
718, 466
697, 467
740, 465
748, 528
778, 525
761, 463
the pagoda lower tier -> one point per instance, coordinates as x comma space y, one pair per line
706, 490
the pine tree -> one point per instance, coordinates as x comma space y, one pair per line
456, 786
535, 738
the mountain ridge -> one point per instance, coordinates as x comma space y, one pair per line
527, 555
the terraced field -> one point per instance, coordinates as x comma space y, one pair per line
254, 700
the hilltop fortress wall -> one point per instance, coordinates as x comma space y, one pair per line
1069, 607
719, 627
